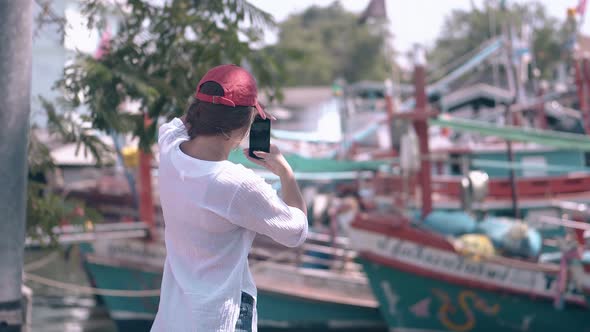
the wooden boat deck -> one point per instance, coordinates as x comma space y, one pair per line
282, 270
314, 284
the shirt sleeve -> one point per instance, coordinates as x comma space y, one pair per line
256, 206
170, 131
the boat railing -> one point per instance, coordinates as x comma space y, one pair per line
320, 251
450, 186
563, 222
572, 207
580, 215
326, 238
579, 229
72, 234
106, 227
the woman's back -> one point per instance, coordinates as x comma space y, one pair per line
212, 212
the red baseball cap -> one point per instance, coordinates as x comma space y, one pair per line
238, 85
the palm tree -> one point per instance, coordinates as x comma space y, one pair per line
153, 62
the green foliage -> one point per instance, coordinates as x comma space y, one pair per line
320, 45
464, 31
157, 57
69, 127
38, 156
46, 209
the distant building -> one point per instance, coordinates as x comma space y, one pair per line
300, 97
52, 51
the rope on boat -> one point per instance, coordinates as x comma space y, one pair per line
527, 166
35, 265
89, 290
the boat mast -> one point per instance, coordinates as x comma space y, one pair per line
146, 201
585, 67
581, 91
514, 81
581, 66
421, 126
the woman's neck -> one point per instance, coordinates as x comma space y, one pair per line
210, 148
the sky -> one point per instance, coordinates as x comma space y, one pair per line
412, 21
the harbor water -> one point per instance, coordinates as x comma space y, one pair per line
57, 310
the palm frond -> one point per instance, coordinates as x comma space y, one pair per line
38, 157
257, 16
73, 130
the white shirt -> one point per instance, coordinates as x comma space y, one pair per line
212, 212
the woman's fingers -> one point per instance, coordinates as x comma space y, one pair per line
270, 116
256, 161
273, 160
261, 154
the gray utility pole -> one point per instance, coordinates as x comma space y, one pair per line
16, 20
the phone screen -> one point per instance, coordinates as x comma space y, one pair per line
259, 136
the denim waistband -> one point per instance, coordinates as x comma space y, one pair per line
244, 322
247, 299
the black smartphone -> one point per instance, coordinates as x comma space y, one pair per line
259, 136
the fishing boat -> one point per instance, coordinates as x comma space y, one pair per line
296, 291
537, 182
488, 279
423, 283
541, 171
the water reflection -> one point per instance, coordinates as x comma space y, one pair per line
55, 310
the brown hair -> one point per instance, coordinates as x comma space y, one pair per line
206, 119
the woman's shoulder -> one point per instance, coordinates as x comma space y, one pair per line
239, 175
246, 184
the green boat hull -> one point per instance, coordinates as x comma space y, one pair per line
414, 303
276, 311
129, 313
286, 312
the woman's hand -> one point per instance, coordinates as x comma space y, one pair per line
274, 161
